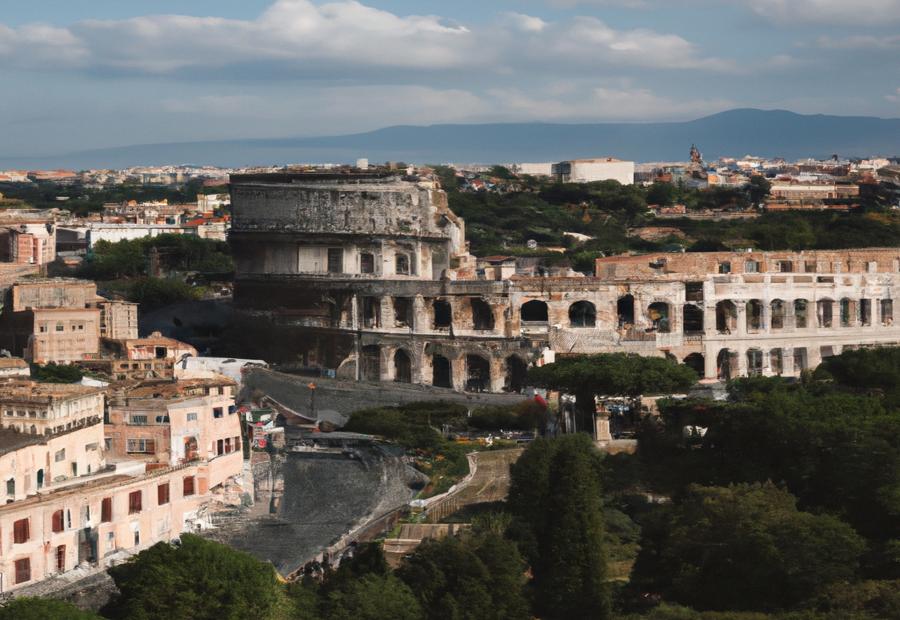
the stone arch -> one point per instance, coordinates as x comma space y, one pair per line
478, 373
777, 310
825, 312
692, 319
625, 311
402, 367
534, 311
754, 363
754, 315
697, 363
848, 311
726, 317
660, 315
801, 313
482, 315
441, 371
370, 363
727, 364
516, 374
401, 264
582, 314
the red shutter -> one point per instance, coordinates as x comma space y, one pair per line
58, 521
21, 531
23, 570
134, 502
188, 486
162, 494
106, 510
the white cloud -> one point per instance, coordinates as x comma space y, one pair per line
299, 37
844, 12
894, 97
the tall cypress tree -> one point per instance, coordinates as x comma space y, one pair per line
570, 574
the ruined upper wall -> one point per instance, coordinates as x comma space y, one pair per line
866, 260
359, 203
53, 293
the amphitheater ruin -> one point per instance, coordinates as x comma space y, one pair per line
368, 276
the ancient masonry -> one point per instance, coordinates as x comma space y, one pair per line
369, 275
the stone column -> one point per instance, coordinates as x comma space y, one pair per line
710, 370
354, 312
458, 372
387, 363
787, 362
421, 319
386, 320
742, 362
498, 374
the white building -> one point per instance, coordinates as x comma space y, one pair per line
120, 232
590, 170
533, 169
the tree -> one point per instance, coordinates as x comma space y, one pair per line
661, 194
478, 576
758, 188
56, 373
195, 579
611, 374
27, 608
571, 572
744, 547
373, 597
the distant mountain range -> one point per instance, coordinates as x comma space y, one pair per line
733, 133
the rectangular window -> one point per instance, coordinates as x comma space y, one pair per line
785, 266
57, 521
220, 447
139, 420
751, 266
11, 486
61, 559
335, 260
162, 419
21, 531
725, 267
192, 417
188, 486
218, 412
23, 570
810, 266
366, 263
106, 510
162, 494
134, 502
141, 446
60, 455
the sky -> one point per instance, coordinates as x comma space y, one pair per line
101, 73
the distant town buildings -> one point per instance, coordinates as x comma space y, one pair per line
591, 170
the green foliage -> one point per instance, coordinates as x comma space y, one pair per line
156, 292
611, 374
476, 577
130, 258
759, 188
26, 608
197, 580
744, 547
870, 370
56, 373
554, 499
527, 415
372, 597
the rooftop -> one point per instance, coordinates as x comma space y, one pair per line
25, 390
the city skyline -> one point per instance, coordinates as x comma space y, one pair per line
107, 74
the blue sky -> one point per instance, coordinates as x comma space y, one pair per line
81, 75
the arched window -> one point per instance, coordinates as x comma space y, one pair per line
777, 314
754, 315
625, 311
693, 319
370, 363
754, 362
582, 314
660, 317
535, 312
516, 374
726, 317
801, 313
776, 361
482, 315
402, 367
697, 363
478, 374
441, 373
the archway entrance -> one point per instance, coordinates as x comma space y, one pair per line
441, 374
370, 363
625, 311
478, 374
516, 374
697, 363
402, 367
